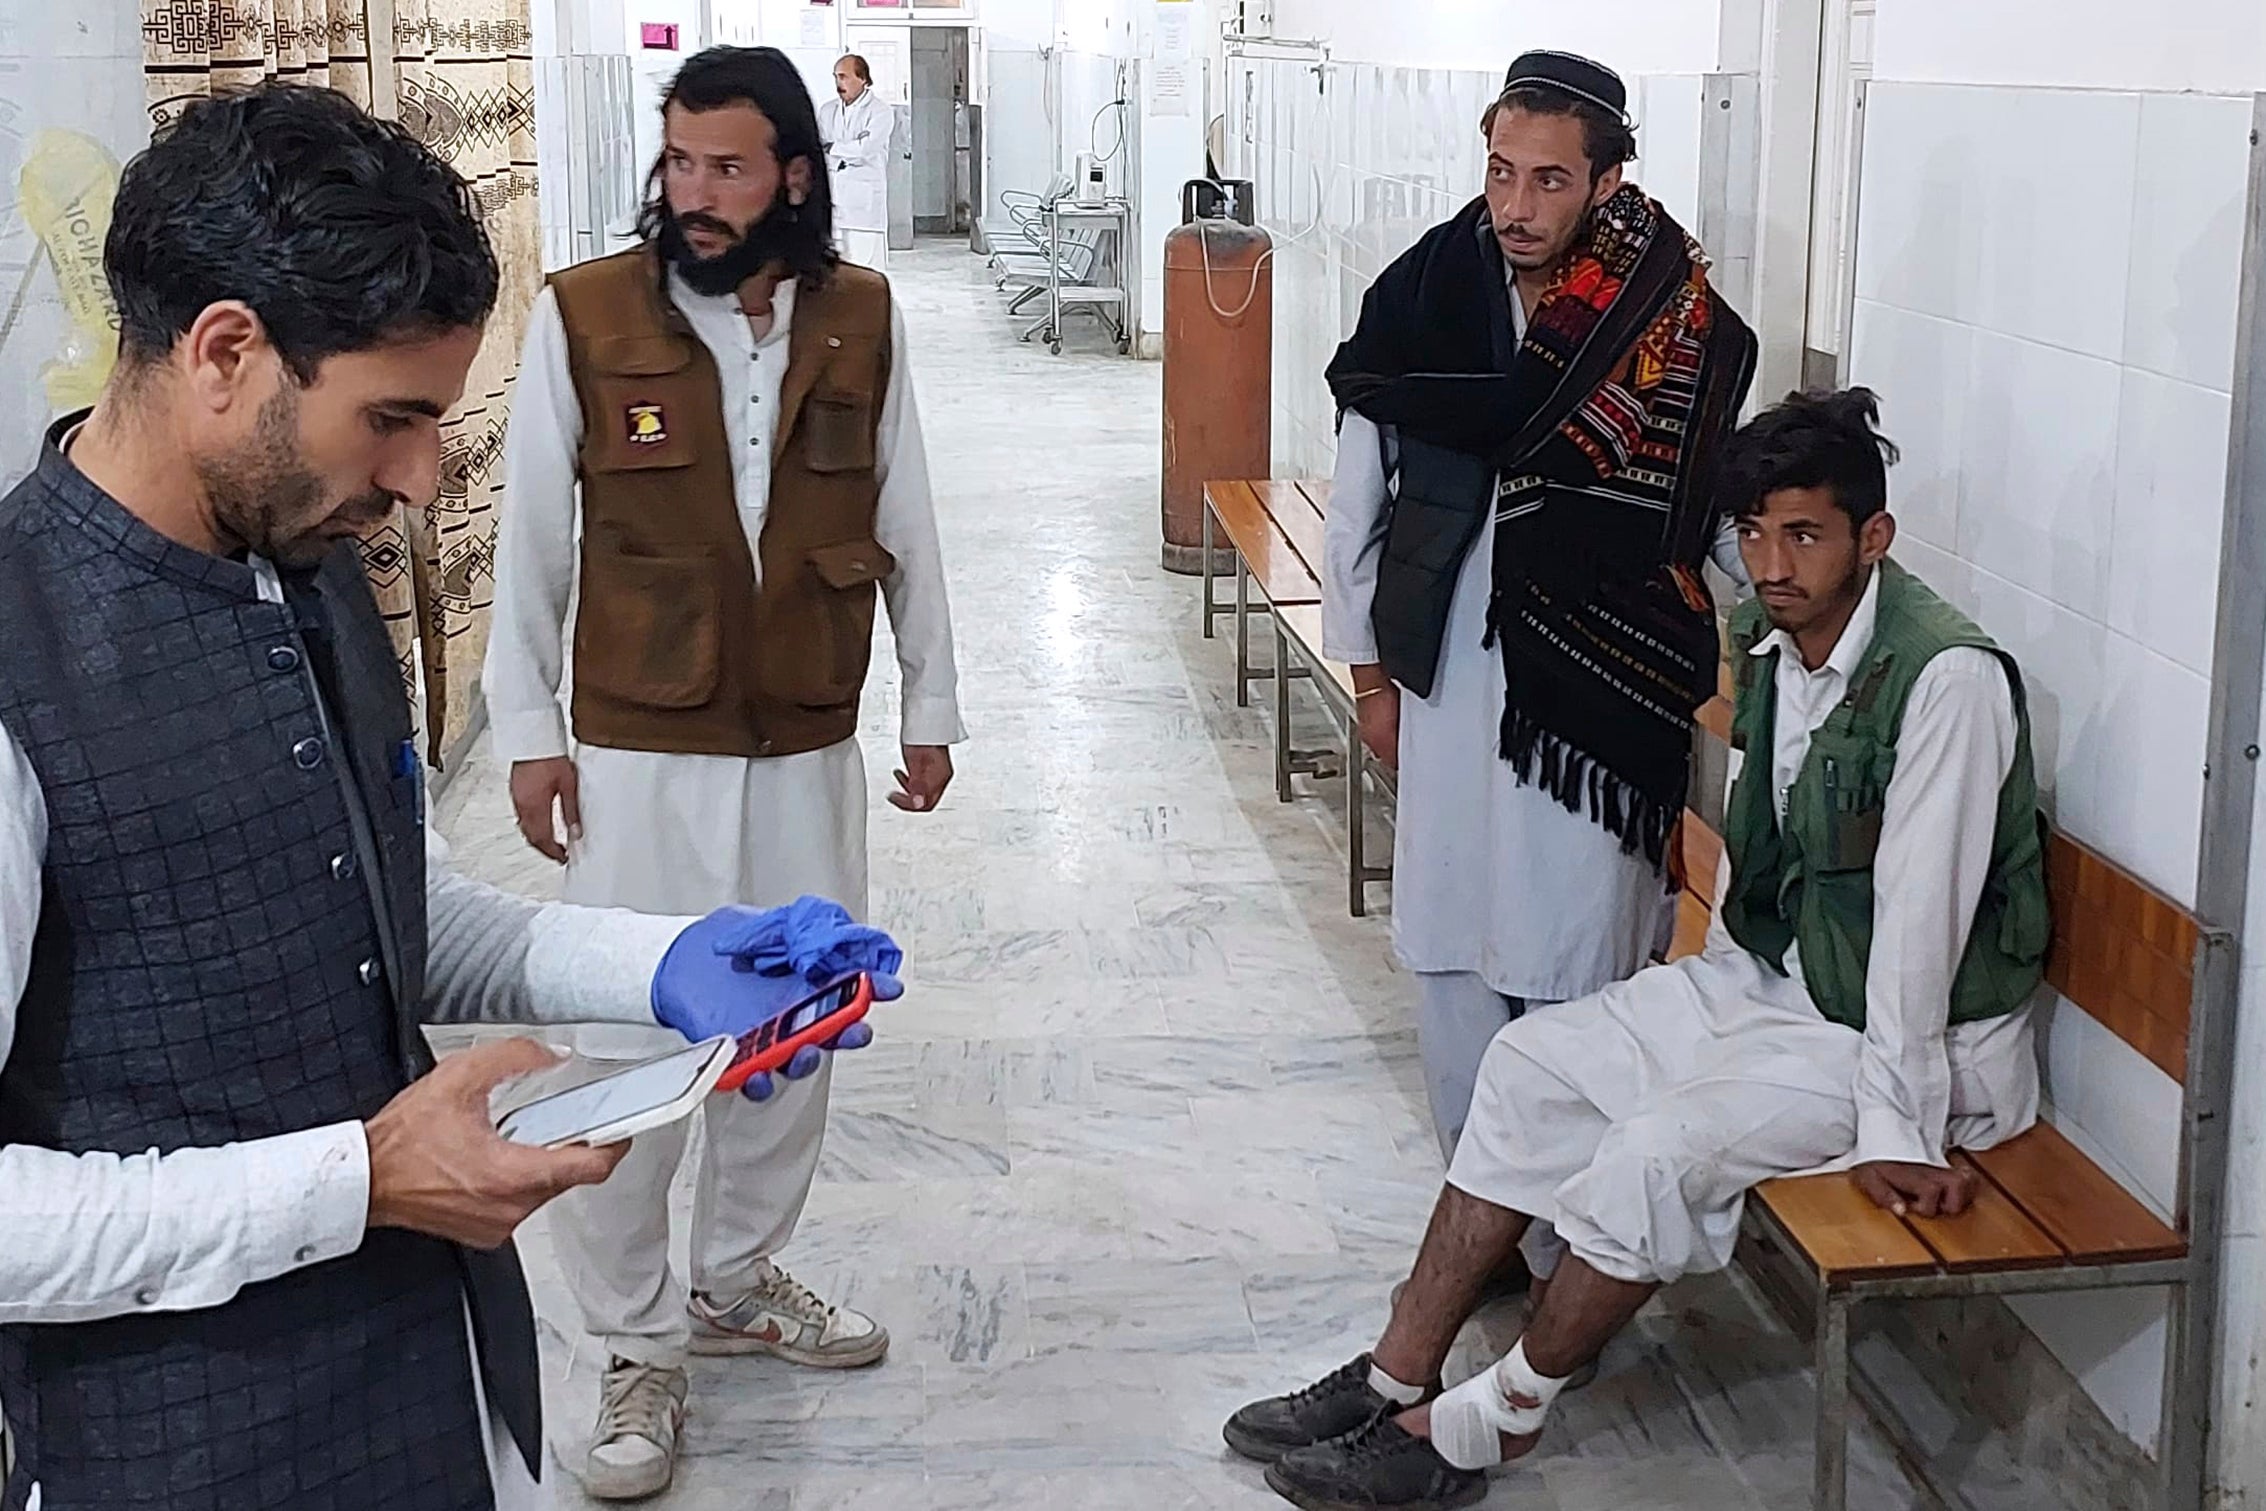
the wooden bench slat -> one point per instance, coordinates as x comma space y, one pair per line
1293, 514
2122, 952
1992, 1234
2076, 1201
1692, 918
1703, 853
1841, 1231
1303, 623
1317, 491
1268, 554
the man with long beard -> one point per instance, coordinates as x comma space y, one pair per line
734, 403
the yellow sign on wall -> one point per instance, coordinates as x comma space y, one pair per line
66, 188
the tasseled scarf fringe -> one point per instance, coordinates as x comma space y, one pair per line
1580, 784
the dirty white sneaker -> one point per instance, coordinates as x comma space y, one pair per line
633, 1449
782, 1316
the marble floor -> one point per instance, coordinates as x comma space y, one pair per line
1146, 1138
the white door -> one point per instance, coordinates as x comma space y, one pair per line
1845, 62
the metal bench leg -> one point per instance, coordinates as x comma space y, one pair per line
1356, 818
1243, 673
1832, 1489
1282, 711
1211, 605
2188, 1391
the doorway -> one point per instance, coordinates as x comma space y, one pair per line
941, 187
1845, 64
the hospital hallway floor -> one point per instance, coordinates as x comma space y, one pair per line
1146, 1137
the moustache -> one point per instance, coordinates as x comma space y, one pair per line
366, 509
695, 221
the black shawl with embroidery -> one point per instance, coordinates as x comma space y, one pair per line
1603, 433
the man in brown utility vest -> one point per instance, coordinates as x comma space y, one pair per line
733, 402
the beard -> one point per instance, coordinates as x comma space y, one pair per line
271, 503
754, 249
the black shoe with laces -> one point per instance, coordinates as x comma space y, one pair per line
1376, 1466
1339, 1402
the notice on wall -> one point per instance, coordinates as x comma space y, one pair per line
1171, 86
1175, 34
818, 27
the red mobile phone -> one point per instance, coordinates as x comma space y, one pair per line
814, 1020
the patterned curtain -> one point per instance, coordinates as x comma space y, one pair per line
462, 73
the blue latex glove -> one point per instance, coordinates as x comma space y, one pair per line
710, 982
811, 937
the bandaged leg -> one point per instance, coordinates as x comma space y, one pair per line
1509, 1398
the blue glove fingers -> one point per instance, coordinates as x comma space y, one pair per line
887, 988
857, 1036
805, 1062
758, 1087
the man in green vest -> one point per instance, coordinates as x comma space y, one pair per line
1861, 1002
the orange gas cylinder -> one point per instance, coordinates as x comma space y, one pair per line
1219, 331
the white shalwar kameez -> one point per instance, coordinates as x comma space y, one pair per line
1637, 1119
669, 833
857, 138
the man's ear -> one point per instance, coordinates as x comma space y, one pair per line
1608, 185
798, 180
1874, 537
222, 356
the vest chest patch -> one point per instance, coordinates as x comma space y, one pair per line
647, 425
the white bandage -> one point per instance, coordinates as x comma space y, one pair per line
1469, 1422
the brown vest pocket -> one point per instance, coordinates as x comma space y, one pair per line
838, 433
650, 630
842, 578
644, 396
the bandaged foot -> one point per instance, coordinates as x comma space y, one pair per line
1470, 1422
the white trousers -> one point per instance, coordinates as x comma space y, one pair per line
1637, 1120
868, 249
687, 834
1457, 1016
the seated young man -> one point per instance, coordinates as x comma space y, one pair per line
1860, 1004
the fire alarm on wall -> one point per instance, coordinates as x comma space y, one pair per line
660, 35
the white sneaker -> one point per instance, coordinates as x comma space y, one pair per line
782, 1316
633, 1449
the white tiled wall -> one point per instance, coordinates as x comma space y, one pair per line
74, 67
1353, 163
2046, 301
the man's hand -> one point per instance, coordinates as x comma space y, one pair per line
536, 786
438, 1166
928, 771
741, 967
1377, 714
1916, 1190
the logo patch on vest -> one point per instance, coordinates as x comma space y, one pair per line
647, 425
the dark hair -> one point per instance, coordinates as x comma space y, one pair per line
1607, 140
764, 78
341, 231
865, 70
1810, 440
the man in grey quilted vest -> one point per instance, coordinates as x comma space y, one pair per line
257, 1247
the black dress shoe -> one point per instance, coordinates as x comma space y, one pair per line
1377, 1465
1339, 1402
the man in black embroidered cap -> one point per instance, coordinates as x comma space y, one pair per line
1530, 408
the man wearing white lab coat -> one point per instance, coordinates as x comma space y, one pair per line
734, 406
857, 126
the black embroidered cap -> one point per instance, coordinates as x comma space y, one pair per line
1570, 73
